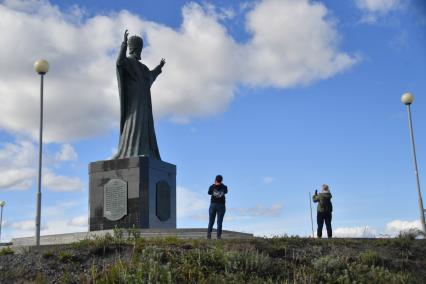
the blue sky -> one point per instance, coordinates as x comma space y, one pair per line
279, 96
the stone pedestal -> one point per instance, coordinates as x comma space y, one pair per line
137, 191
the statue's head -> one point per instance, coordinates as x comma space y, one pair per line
135, 44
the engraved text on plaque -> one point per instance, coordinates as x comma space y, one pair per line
115, 199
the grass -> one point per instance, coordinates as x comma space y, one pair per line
370, 258
276, 260
6, 250
65, 256
125, 257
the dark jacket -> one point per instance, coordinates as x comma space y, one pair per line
218, 193
324, 202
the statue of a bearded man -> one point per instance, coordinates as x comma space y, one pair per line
137, 133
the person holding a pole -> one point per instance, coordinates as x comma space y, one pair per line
324, 210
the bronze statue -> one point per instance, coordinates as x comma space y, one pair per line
137, 133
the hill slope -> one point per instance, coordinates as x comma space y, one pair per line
113, 259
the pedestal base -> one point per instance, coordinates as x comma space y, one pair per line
150, 186
189, 233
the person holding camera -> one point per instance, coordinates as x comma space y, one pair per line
217, 205
324, 210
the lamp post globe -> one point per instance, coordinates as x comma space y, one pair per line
41, 66
407, 98
2, 203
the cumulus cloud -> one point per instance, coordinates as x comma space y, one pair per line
61, 183
355, 232
189, 203
18, 168
391, 229
56, 219
66, 153
292, 43
26, 228
396, 226
26, 225
80, 221
373, 9
17, 165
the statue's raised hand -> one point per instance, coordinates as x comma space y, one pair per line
162, 62
126, 35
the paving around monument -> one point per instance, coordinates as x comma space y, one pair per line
270, 169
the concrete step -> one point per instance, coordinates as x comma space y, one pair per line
190, 233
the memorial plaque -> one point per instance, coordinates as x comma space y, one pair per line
163, 200
115, 199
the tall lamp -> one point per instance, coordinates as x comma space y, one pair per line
408, 99
41, 67
2, 204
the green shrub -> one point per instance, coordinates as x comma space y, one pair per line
328, 264
248, 261
370, 258
118, 235
6, 250
65, 256
133, 233
410, 234
374, 274
48, 254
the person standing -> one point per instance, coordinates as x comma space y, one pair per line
217, 205
324, 210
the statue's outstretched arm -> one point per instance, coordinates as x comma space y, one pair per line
121, 60
157, 70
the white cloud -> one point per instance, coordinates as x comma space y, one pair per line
61, 183
377, 6
355, 232
26, 225
18, 168
373, 9
17, 165
190, 203
67, 153
293, 42
268, 180
391, 229
204, 63
56, 219
80, 221
61, 209
396, 226
62, 227
58, 226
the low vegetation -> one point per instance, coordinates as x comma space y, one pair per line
117, 259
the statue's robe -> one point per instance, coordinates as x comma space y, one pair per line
137, 134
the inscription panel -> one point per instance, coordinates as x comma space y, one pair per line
115, 199
163, 200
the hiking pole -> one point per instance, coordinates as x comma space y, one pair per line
312, 219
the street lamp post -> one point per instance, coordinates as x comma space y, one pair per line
408, 99
2, 204
41, 67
